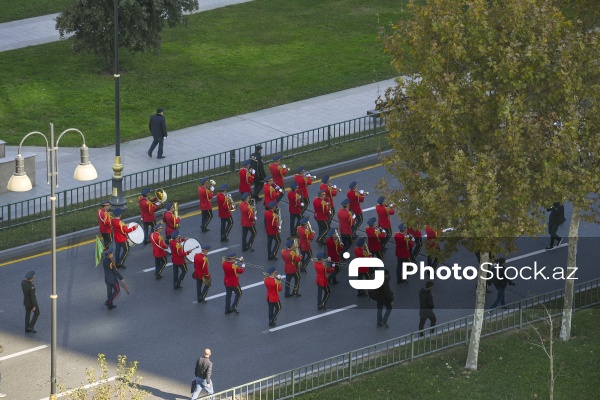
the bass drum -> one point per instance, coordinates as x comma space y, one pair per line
193, 245
137, 236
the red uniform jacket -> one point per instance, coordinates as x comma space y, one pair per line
273, 288
278, 172
177, 252
374, 239
121, 230
431, 238
200, 266
224, 211
330, 193
247, 215
231, 274
170, 222
322, 271
403, 245
360, 252
246, 181
355, 200
205, 196
104, 221
272, 222
147, 209
303, 182
158, 245
334, 249
294, 200
290, 261
321, 209
383, 216
305, 237
270, 194
416, 233
346, 219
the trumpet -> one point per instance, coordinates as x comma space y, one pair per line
237, 259
176, 213
363, 192
230, 203
159, 199
308, 175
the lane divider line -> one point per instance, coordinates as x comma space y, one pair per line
223, 294
311, 318
85, 387
20, 353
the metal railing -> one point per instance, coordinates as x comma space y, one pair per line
405, 348
172, 175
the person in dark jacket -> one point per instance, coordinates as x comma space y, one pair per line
500, 281
384, 298
158, 130
256, 162
203, 372
111, 278
30, 302
426, 308
555, 219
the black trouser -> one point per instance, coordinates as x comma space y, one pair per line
177, 277
107, 238
121, 252
238, 293
347, 241
323, 229
206, 217
112, 292
399, 270
305, 206
333, 276
226, 224
358, 220
552, 229
294, 222
258, 186
245, 230
322, 295
288, 283
148, 226
388, 236
159, 265
274, 310
378, 254
425, 315
363, 275
272, 250
201, 292
306, 257
432, 262
416, 248
30, 322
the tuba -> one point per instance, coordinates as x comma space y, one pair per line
159, 199
230, 203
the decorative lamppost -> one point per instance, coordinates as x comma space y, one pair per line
20, 182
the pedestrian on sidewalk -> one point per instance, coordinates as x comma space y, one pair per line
426, 307
500, 281
257, 164
203, 372
158, 130
384, 298
555, 219
30, 302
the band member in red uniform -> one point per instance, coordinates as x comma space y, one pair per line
322, 283
362, 250
303, 182
225, 204
104, 224
306, 235
248, 221
147, 210
334, 252
201, 274
272, 192
322, 214
246, 178
232, 283
383, 219
295, 207
171, 223
120, 230
291, 261
278, 171
273, 229
404, 246
273, 285
159, 251
330, 193
374, 238
346, 220
205, 194
356, 197
417, 234
432, 246
178, 259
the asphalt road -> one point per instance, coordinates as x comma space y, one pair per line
165, 330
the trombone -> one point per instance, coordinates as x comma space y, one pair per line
159, 199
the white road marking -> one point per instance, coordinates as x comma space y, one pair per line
223, 294
312, 318
169, 264
88, 386
535, 253
20, 353
368, 209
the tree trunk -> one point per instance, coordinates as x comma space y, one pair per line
475, 337
565, 327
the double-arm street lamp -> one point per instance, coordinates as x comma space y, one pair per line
20, 182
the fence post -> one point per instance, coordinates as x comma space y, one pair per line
520, 314
350, 366
328, 135
412, 347
170, 175
293, 384
281, 146
232, 161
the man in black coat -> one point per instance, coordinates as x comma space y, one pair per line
556, 218
384, 298
111, 278
426, 308
256, 162
158, 130
30, 302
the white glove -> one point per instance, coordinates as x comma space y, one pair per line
330, 212
314, 177
302, 204
284, 166
278, 276
329, 259
243, 265
256, 218
212, 188
165, 138
280, 190
335, 186
361, 191
383, 231
333, 265
252, 171
391, 205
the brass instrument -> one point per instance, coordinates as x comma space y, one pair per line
279, 218
367, 252
175, 214
159, 199
230, 203
212, 182
310, 229
337, 238
237, 259
308, 175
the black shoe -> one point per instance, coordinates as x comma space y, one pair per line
228, 311
272, 323
244, 249
224, 239
149, 154
288, 295
250, 248
549, 247
335, 283
380, 324
297, 295
385, 325
121, 266
321, 308
275, 258
205, 229
178, 287
160, 157
201, 301
235, 311
303, 270
158, 277
30, 331
112, 306
559, 242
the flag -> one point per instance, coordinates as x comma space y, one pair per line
99, 250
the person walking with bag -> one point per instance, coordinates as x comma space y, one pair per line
158, 130
203, 373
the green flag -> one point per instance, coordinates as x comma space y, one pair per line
99, 250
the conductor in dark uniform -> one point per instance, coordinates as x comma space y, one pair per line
158, 130
30, 301
111, 278
256, 162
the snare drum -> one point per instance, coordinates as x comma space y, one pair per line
194, 245
137, 236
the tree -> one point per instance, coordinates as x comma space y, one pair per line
470, 129
91, 22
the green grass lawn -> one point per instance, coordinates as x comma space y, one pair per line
227, 62
13, 10
511, 366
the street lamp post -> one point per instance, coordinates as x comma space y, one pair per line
20, 182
